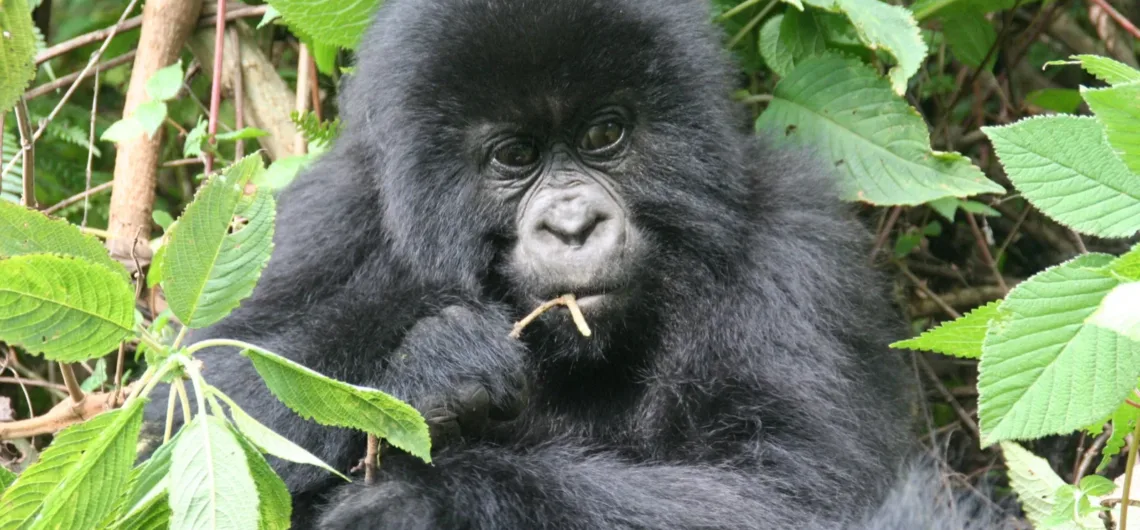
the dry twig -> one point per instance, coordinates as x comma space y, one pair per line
568, 300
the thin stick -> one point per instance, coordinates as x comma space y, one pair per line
987, 257
30, 382
576, 314
1130, 28
72, 384
170, 402
1129, 468
28, 150
76, 198
52, 86
88, 172
567, 300
216, 83
370, 457
885, 233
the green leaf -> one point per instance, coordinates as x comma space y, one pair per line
1036, 484
248, 133
75, 482
154, 514
210, 482
66, 308
337, 22
324, 55
98, 376
17, 52
1045, 369
1118, 109
207, 270
879, 144
275, 505
924, 9
330, 402
165, 83
885, 27
271, 14
150, 116
1128, 265
125, 129
961, 338
1097, 485
1064, 166
1063, 100
1120, 311
1123, 421
148, 481
24, 231
6, 478
282, 172
789, 38
778, 58
195, 140
970, 36
268, 441
162, 218
1108, 70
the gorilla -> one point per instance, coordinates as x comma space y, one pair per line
501, 153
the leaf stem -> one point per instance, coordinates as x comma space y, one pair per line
181, 335
214, 343
191, 367
1129, 468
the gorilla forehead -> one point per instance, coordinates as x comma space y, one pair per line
511, 59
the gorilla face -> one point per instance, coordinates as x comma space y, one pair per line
571, 166
573, 231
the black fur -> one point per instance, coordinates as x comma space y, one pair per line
748, 386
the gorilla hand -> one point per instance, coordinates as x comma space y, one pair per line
460, 369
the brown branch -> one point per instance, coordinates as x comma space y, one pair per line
216, 81
921, 285
1120, 19
166, 25
71, 383
304, 62
50, 87
76, 198
32, 382
963, 416
984, 247
885, 232
63, 414
370, 457
134, 23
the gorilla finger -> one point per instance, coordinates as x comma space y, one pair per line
474, 406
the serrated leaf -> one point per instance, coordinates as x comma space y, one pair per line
1064, 166
970, 36
1045, 369
337, 22
17, 51
210, 482
66, 308
87, 493
207, 270
164, 84
778, 59
924, 9
275, 505
154, 514
1036, 484
885, 27
98, 376
75, 482
1118, 110
271, 14
125, 129
1108, 70
24, 231
1123, 421
148, 481
330, 402
1128, 265
789, 38
961, 338
268, 441
879, 144
150, 116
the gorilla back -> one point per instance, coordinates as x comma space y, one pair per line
500, 153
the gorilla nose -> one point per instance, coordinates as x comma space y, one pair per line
576, 223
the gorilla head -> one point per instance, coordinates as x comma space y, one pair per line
575, 136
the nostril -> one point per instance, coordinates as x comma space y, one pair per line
573, 232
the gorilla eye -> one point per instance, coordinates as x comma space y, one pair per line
516, 154
601, 136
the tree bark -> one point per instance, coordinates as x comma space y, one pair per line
166, 24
